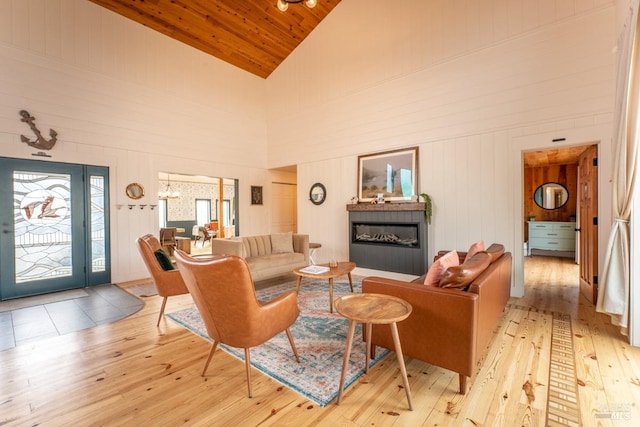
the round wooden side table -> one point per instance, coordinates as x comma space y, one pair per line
371, 309
341, 269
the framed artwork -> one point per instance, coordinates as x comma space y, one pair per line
390, 175
256, 195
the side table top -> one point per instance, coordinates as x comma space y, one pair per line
341, 269
373, 308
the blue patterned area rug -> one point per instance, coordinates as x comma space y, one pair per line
320, 338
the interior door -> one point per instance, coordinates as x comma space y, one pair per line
284, 202
588, 217
55, 231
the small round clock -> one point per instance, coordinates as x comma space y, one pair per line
317, 194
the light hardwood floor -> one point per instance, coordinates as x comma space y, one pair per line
132, 373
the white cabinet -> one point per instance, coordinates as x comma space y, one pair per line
552, 235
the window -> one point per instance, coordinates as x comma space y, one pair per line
203, 211
226, 206
162, 212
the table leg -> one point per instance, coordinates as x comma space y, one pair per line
350, 281
345, 362
331, 295
403, 370
367, 329
298, 284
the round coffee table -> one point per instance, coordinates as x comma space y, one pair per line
343, 268
371, 309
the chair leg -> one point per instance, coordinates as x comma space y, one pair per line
247, 364
293, 346
164, 303
213, 350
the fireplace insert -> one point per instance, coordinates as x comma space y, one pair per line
405, 234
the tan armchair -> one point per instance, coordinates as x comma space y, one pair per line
223, 291
168, 282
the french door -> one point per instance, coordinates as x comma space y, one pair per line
55, 227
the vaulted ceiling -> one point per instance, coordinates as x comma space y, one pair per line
253, 35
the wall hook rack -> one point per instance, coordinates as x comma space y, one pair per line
152, 207
142, 207
131, 207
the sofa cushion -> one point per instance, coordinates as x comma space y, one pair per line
274, 260
164, 260
462, 275
495, 251
282, 243
438, 268
474, 249
256, 245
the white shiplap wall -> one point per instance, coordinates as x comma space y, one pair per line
123, 96
462, 80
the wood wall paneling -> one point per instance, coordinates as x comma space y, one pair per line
566, 175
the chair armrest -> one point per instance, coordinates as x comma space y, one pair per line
227, 247
277, 314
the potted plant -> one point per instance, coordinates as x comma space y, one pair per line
427, 206
354, 200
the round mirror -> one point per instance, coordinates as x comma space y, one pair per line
551, 195
317, 194
135, 191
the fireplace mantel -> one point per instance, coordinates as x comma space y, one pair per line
385, 207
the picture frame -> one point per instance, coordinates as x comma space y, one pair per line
394, 174
256, 195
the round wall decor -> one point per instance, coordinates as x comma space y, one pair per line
317, 194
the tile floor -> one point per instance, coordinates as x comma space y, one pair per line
102, 304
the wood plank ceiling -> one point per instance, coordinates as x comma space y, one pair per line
557, 156
250, 34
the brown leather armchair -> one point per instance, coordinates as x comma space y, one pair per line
223, 291
168, 282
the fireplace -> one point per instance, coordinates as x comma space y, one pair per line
385, 234
388, 237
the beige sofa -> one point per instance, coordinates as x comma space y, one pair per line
269, 255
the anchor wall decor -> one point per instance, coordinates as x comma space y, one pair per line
40, 143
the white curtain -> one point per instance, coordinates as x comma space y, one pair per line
613, 293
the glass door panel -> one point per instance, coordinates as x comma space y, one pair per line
42, 226
54, 227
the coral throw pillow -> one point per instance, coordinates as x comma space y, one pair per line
474, 249
435, 273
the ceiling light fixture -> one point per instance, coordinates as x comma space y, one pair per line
167, 193
283, 5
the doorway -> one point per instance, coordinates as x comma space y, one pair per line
571, 222
55, 227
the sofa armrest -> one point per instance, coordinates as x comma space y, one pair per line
441, 329
301, 245
227, 247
